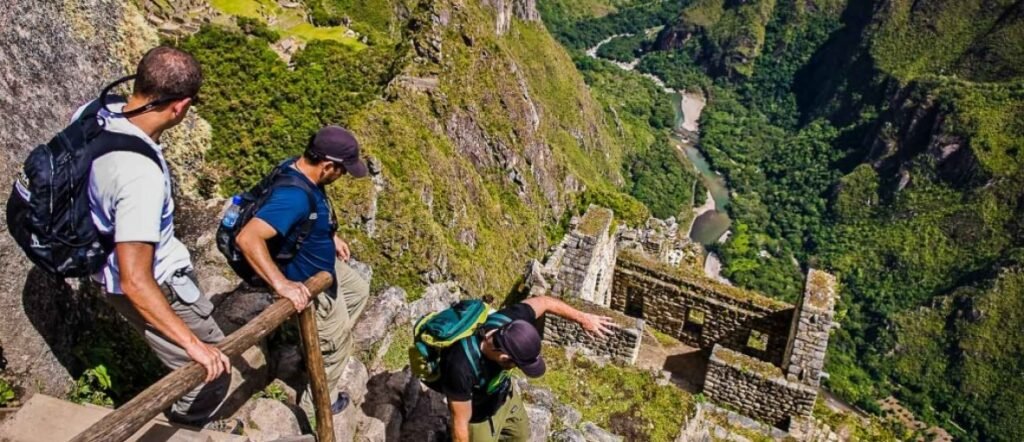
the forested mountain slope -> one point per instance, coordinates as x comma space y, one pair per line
880, 140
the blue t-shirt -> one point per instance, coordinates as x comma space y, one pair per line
287, 208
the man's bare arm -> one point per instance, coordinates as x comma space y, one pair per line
135, 260
594, 324
462, 411
252, 240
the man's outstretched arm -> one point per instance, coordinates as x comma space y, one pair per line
135, 260
593, 324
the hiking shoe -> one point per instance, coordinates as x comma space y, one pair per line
229, 426
339, 405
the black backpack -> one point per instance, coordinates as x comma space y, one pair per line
48, 210
283, 248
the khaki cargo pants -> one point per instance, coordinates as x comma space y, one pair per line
336, 314
509, 424
197, 406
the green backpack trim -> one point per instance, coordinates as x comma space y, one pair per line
456, 325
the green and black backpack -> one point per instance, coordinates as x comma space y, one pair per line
454, 326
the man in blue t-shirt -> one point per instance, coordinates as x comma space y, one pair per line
332, 153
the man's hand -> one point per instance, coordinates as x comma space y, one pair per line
211, 358
341, 249
295, 292
597, 325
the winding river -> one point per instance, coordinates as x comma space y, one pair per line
711, 220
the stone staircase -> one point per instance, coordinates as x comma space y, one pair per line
48, 419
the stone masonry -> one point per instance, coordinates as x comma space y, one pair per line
581, 266
622, 344
756, 388
698, 311
805, 356
766, 356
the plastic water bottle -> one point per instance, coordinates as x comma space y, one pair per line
231, 217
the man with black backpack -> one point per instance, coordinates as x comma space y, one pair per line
467, 352
97, 200
287, 233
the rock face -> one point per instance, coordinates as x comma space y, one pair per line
57, 56
525, 10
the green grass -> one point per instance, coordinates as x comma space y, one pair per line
308, 32
244, 8
624, 400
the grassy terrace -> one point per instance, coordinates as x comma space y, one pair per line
625, 400
289, 23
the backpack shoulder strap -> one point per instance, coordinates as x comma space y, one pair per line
287, 180
471, 347
108, 142
496, 320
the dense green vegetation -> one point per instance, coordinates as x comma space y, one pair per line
624, 49
582, 33
263, 111
912, 199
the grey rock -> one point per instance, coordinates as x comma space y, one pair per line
353, 380
594, 433
371, 430
238, 308
363, 269
568, 435
540, 423
391, 416
377, 319
273, 419
435, 298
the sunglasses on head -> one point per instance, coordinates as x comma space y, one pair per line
142, 109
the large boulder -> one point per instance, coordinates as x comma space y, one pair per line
594, 433
378, 318
540, 423
269, 420
436, 297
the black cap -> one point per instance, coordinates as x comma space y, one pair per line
521, 342
339, 145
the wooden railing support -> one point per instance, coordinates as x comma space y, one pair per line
317, 375
123, 422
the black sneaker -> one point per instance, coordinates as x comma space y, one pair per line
341, 404
229, 426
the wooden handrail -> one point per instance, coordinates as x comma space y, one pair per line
123, 422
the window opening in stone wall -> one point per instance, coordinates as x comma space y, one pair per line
758, 340
634, 303
694, 321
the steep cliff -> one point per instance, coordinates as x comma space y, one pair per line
482, 134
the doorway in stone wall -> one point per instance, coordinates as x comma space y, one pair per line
634, 303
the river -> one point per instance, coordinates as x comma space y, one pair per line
711, 220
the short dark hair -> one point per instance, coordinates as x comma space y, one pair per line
166, 72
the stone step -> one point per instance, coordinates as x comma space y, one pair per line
48, 419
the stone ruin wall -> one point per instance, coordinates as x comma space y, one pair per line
581, 267
664, 299
805, 357
756, 388
622, 344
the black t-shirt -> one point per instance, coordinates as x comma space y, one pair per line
459, 383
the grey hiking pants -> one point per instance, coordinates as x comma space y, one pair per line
336, 314
196, 407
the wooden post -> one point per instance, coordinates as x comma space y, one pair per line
317, 376
130, 417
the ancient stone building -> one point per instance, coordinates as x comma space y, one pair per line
765, 357
581, 266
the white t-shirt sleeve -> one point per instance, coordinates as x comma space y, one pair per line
137, 198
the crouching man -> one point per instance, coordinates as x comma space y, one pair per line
486, 407
332, 153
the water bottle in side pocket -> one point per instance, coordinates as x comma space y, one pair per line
231, 217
